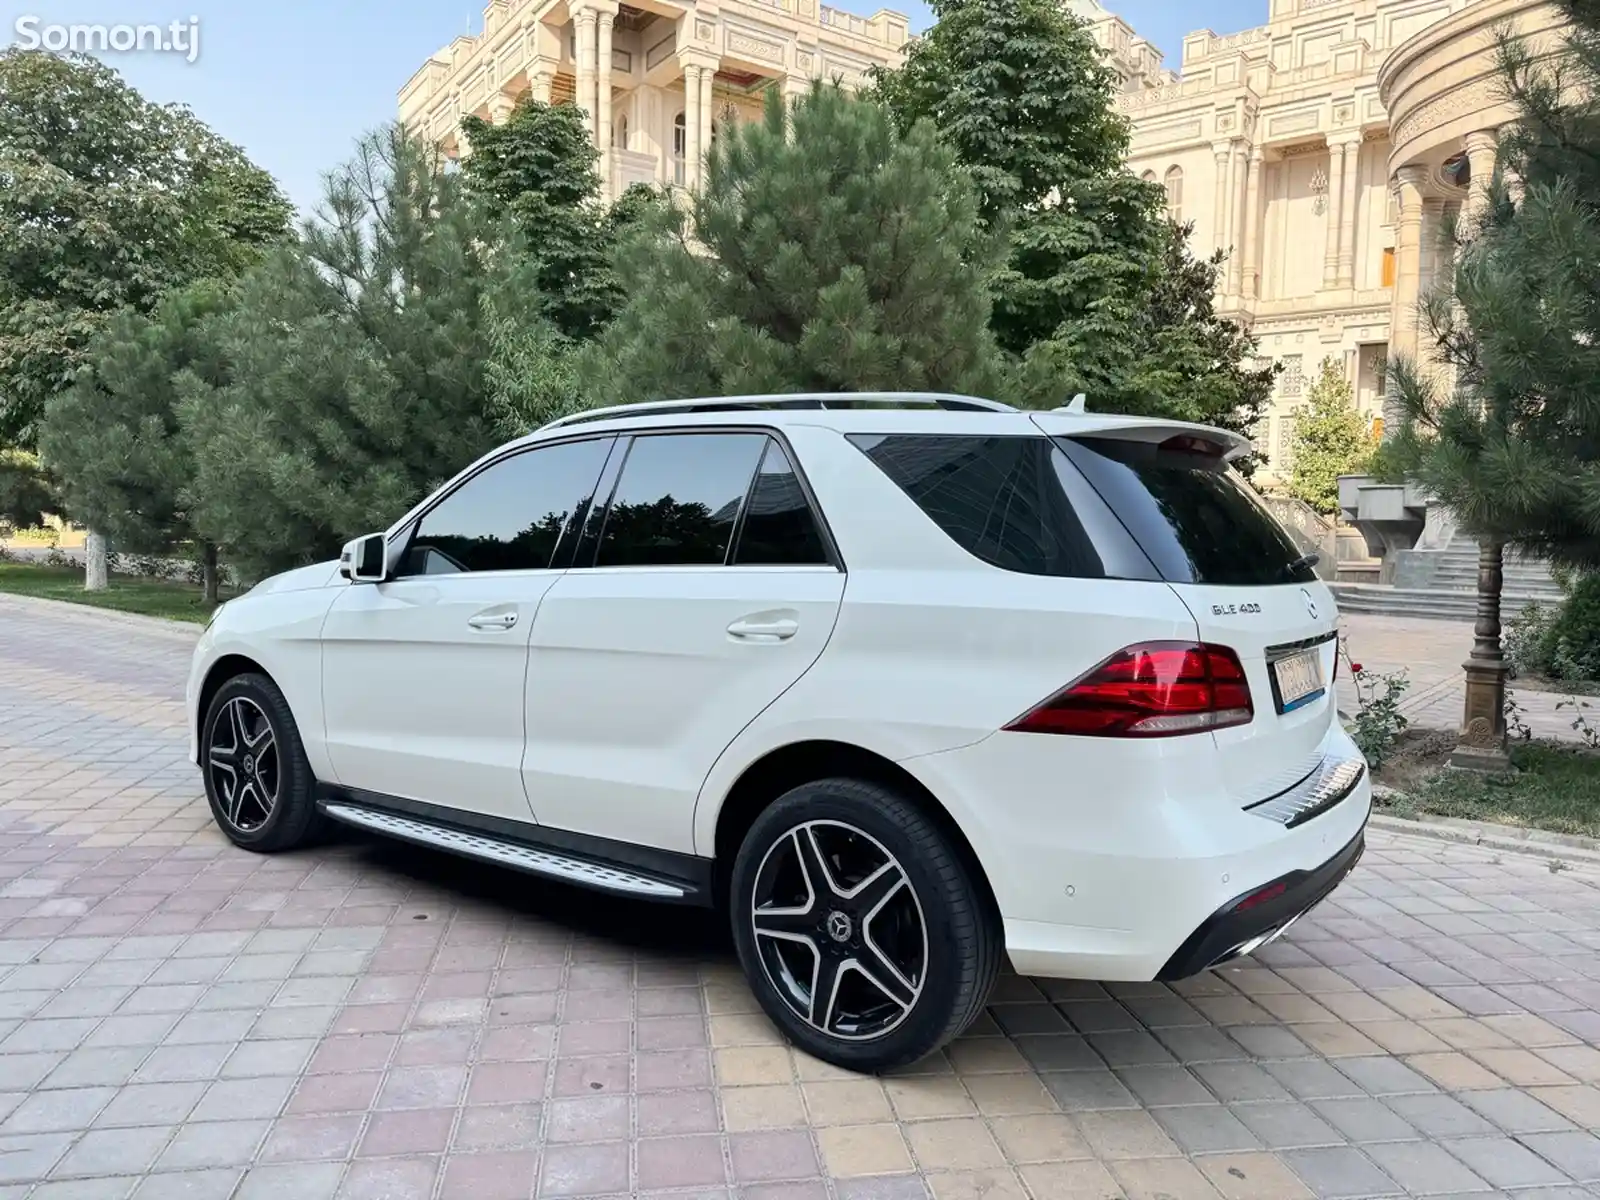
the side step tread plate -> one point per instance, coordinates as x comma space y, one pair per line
548, 863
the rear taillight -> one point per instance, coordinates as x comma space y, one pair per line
1158, 689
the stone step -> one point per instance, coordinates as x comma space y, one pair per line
1431, 603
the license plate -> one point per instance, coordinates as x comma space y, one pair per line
1299, 679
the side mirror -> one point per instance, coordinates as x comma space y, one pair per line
365, 560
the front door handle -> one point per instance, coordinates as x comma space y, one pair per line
499, 620
764, 629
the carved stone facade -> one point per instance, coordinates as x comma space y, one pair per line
1326, 150
657, 80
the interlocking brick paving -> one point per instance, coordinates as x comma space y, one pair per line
180, 1019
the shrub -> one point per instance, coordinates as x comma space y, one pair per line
1524, 642
1572, 643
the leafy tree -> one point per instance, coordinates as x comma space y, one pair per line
826, 251
1021, 91
25, 495
1513, 446
1330, 440
358, 362
1099, 291
1171, 355
540, 168
114, 438
107, 201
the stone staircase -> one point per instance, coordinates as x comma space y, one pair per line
1442, 584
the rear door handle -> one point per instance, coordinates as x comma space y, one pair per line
764, 629
498, 620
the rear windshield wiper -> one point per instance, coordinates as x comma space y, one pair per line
1302, 563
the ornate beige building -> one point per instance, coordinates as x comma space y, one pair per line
1324, 148
657, 77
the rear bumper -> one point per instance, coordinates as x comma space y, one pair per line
1240, 927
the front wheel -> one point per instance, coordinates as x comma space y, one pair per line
257, 779
859, 926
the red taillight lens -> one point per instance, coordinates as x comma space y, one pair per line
1158, 689
1271, 892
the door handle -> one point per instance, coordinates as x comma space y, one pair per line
772, 629
499, 620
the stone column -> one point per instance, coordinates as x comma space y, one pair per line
1330, 256
540, 82
1346, 276
691, 124
587, 21
603, 27
1224, 155
1407, 281
1252, 226
707, 74
500, 106
1480, 148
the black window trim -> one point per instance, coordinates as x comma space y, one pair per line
585, 559
407, 534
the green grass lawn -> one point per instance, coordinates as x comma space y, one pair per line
1557, 788
127, 593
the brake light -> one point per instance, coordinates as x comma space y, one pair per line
1157, 689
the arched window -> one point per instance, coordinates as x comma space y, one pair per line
1148, 177
619, 133
1174, 185
680, 150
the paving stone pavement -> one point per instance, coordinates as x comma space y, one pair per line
180, 1019
1431, 654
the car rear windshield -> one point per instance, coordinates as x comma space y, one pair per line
1198, 521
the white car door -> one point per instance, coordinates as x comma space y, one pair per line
423, 675
713, 589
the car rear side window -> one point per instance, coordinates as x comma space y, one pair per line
779, 527
678, 499
998, 498
1193, 515
509, 516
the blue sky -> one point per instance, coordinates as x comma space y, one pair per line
296, 81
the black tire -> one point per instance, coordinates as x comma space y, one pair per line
268, 730
850, 821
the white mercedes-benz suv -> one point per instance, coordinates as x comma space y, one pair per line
905, 683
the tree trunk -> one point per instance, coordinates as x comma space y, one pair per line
94, 554
208, 574
1483, 720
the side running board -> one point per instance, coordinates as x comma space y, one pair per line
548, 863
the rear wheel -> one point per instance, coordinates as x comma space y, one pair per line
859, 926
257, 779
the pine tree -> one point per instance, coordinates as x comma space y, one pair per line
826, 251
1512, 444
359, 362
539, 167
1330, 440
114, 439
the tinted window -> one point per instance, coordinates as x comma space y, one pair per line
997, 497
678, 498
779, 527
1195, 517
511, 516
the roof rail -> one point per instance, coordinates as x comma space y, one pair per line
819, 400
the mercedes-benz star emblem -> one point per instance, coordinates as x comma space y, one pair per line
249, 764
1311, 605
839, 927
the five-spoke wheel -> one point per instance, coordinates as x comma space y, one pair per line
839, 930
256, 775
863, 931
246, 772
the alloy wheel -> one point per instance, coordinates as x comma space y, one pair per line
246, 771
839, 930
